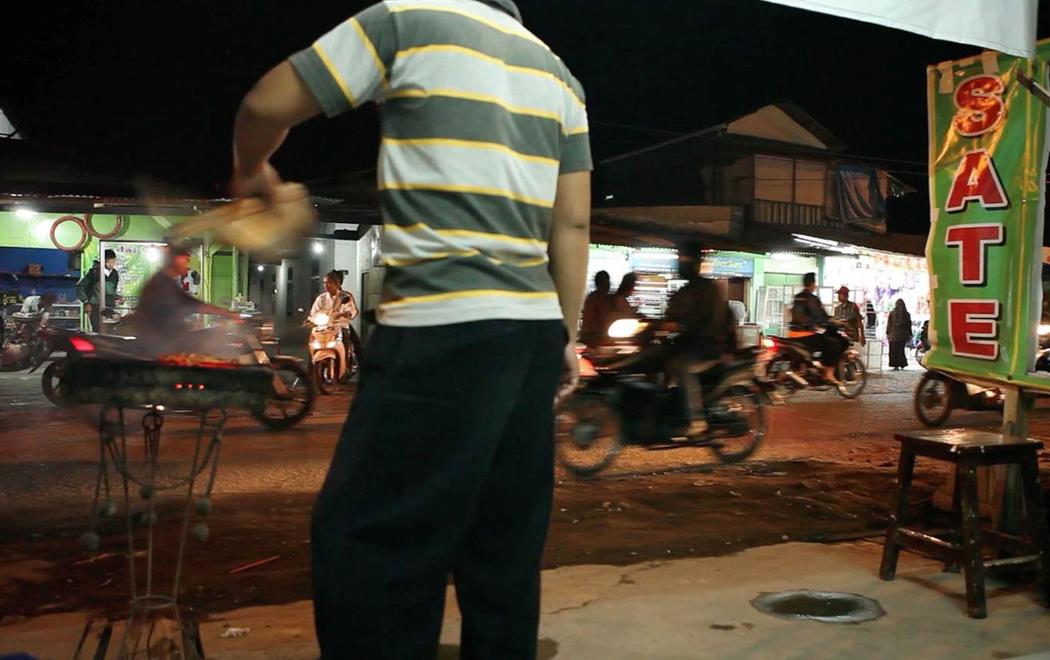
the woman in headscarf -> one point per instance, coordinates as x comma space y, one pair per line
898, 332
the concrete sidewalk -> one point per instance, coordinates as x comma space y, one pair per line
690, 608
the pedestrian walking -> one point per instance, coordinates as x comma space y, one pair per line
899, 333
445, 463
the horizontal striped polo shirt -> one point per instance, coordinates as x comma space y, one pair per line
479, 118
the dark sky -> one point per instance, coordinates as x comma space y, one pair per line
155, 85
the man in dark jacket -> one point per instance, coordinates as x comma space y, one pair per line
88, 288
707, 332
808, 316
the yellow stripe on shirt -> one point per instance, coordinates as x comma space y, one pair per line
465, 233
396, 9
481, 98
470, 144
335, 74
372, 50
477, 190
476, 293
478, 55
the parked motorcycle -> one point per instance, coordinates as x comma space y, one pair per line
22, 341
330, 363
938, 393
625, 399
793, 368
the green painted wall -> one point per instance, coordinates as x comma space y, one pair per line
35, 233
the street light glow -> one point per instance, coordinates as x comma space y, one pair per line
318, 248
259, 268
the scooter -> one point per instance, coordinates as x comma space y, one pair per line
330, 363
793, 368
628, 400
938, 393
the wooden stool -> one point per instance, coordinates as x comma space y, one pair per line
968, 450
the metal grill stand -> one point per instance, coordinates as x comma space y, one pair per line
154, 628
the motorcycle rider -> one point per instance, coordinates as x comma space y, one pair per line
87, 289
334, 301
594, 324
707, 332
807, 315
162, 315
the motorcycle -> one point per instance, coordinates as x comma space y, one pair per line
289, 403
52, 380
938, 393
793, 368
23, 341
625, 399
331, 364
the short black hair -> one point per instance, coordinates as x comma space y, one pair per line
335, 276
48, 297
109, 254
809, 278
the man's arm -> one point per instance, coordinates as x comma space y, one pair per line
279, 101
569, 245
567, 249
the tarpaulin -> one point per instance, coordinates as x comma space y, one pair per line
1004, 25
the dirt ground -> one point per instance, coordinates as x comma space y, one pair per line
695, 511
826, 473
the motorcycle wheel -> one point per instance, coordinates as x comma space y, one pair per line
52, 381
852, 375
588, 434
324, 375
933, 399
282, 411
747, 402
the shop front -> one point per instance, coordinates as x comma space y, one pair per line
51, 252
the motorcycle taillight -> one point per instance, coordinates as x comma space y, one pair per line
82, 345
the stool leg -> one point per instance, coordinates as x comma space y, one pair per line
1035, 513
892, 550
952, 566
973, 566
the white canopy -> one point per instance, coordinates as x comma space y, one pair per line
1007, 26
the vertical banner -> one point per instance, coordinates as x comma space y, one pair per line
987, 171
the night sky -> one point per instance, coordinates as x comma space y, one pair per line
153, 87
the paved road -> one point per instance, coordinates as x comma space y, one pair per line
50, 453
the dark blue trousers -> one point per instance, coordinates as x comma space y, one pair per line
444, 466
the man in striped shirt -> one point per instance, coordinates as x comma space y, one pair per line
445, 463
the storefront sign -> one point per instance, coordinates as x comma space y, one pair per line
987, 168
718, 265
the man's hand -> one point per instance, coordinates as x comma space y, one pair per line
261, 184
570, 377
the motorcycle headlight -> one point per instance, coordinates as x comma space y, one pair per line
330, 344
321, 319
625, 328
